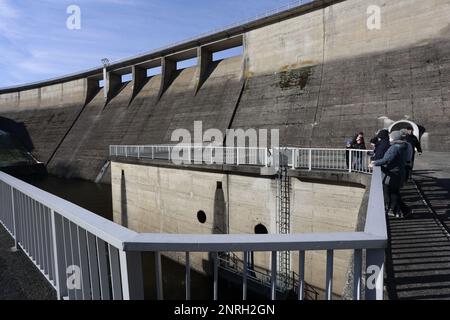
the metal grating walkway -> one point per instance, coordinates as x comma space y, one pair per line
418, 257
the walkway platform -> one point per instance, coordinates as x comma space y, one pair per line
418, 264
19, 278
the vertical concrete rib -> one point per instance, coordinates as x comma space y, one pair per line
138, 76
112, 86
168, 69
205, 58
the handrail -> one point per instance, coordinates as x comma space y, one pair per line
105, 229
56, 234
351, 160
254, 242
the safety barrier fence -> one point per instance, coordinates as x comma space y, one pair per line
64, 240
352, 160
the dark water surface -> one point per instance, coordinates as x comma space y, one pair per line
88, 195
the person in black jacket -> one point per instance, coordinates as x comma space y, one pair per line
359, 144
393, 165
382, 144
415, 143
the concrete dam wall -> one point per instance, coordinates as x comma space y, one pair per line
317, 73
148, 198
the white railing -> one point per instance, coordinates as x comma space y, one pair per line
63, 239
350, 160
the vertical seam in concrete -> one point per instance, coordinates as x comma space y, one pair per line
65, 135
241, 93
441, 86
386, 89
412, 85
321, 75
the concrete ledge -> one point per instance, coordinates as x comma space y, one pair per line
353, 179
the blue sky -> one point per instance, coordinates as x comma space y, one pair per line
35, 43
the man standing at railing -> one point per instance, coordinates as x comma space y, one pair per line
415, 143
393, 165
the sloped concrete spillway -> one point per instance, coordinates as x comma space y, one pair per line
317, 73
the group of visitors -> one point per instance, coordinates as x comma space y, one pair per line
395, 154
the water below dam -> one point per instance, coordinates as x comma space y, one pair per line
98, 199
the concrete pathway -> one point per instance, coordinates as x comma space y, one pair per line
19, 278
418, 258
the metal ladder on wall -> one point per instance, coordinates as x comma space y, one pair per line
284, 224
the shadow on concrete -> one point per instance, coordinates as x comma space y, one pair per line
123, 201
19, 278
220, 221
436, 192
418, 254
19, 131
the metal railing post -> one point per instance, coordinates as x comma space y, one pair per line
190, 155
212, 162
301, 275
357, 274
293, 159
329, 276
273, 278
375, 274
350, 160
266, 160
187, 277
58, 254
244, 276
13, 212
159, 281
310, 160
131, 275
216, 275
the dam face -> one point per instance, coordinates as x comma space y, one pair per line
318, 75
148, 198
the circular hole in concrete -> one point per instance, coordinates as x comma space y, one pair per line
261, 229
201, 216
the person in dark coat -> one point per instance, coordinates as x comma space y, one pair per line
382, 144
409, 157
415, 143
359, 144
393, 166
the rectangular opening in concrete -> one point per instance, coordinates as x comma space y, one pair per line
126, 77
183, 64
228, 53
153, 71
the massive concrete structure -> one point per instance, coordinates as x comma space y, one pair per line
161, 197
316, 72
